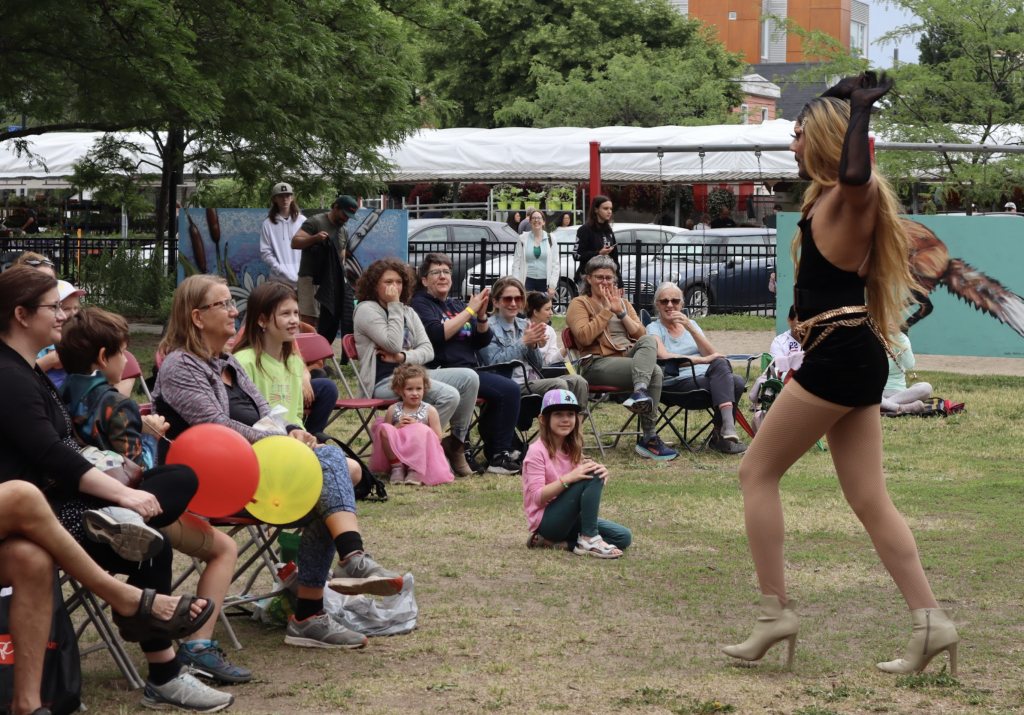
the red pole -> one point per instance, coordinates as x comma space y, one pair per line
871, 145
595, 171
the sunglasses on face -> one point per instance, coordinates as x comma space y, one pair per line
670, 301
510, 299
35, 263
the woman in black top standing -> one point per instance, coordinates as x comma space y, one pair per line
596, 237
852, 280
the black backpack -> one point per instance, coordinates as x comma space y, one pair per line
369, 488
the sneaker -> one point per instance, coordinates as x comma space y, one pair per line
124, 531
398, 473
321, 631
413, 478
654, 448
455, 451
729, 434
504, 464
186, 693
359, 573
639, 403
724, 446
211, 662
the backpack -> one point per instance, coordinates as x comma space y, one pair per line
370, 488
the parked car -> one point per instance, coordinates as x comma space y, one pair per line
460, 239
626, 235
724, 269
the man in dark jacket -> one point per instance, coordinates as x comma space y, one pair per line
323, 240
456, 331
724, 220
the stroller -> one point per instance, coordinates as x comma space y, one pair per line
766, 390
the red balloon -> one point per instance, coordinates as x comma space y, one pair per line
226, 466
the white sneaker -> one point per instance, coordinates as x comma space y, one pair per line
186, 693
124, 531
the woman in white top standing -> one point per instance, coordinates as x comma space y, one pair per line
283, 220
536, 260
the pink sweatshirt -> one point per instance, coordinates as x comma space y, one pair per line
539, 470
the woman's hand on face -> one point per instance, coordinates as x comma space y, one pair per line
142, 503
392, 291
157, 424
304, 437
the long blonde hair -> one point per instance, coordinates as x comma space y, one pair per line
182, 333
890, 284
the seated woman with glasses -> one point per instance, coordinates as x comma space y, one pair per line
617, 351
680, 337
199, 383
516, 338
457, 331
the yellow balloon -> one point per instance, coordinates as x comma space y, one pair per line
290, 480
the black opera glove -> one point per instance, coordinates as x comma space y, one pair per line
862, 92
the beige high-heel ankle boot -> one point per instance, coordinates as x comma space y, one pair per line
933, 633
773, 625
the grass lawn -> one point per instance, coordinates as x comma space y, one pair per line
504, 629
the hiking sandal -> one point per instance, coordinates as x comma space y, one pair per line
536, 541
143, 625
595, 546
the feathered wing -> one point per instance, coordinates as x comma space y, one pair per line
986, 294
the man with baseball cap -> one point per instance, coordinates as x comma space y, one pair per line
1011, 208
323, 240
283, 221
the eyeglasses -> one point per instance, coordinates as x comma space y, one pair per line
670, 301
446, 272
510, 299
35, 263
55, 307
602, 279
536, 218
226, 304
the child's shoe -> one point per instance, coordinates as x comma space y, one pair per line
398, 473
413, 478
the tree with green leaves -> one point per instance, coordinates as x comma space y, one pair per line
648, 89
968, 88
260, 89
521, 55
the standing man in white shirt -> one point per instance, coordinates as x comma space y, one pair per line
283, 220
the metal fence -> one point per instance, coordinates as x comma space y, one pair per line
69, 253
713, 277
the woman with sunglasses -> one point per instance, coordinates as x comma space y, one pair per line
37, 261
516, 338
535, 262
680, 337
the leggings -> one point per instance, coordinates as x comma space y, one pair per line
795, 422
316, 545
574, 512
892, 399
325, 394
173, 485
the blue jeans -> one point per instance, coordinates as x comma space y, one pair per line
453, 393
325, 394
317, 552
499, 416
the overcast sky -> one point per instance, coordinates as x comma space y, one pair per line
882, 20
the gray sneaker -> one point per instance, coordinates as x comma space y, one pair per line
361, 574
124, 531
321, 631
186, 693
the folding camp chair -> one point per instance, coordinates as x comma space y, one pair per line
772, 386
93, 608
599, 394
264, 556
529, 407
370, 405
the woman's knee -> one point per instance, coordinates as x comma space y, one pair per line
354, 471
326, 389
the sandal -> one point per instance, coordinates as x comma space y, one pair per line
595, 546
143, 625
536, 541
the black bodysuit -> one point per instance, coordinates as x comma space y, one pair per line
850, 366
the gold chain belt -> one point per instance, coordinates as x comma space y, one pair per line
802, 330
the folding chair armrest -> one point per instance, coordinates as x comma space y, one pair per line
503, 368
750, 361
554, 371
683, 362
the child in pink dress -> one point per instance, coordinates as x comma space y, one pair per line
410, 434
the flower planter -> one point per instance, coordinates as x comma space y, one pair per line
567, 206
502, 205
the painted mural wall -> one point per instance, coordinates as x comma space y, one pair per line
226, 242
971, 269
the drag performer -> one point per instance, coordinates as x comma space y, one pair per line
850, 239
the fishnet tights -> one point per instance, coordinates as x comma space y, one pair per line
796, 421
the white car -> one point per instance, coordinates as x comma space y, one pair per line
626, 234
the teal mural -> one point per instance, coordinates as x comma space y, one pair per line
971, 268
